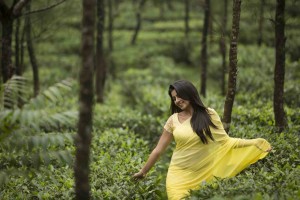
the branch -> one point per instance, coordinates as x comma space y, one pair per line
44, 9
19, 6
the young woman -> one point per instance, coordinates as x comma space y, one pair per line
203, 149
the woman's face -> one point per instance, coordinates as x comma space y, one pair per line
179, 102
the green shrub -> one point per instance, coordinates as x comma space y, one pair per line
116, 154
145, 126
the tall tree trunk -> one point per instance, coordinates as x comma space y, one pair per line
17, 47
210, 26
223, 47
187, 17
169, 4
110, 26
1, 53
6, 62
31, 53
7, 16
22, 68
100, 60
280, 120
261, 21
138, 21
204, 59
84, 135
232, 64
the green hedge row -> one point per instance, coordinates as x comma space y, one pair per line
116, 154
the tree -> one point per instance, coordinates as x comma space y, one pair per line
31, 52
204, 48
223, 47
187, 17
7, 17
261, 21
17, 48
110, 26
138, 21
84, 135
100, 60
232, 64
278, 101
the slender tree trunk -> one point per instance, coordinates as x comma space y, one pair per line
204, 59
261, 21
84, 136
210, 26
232, 64
223, 47
187, 17
22, 68
138, 22
110, 26
17, 47
280, 120
162, 10
100, 60
169, 4
18, 57
31, 53
1, 53
6, 62
7, 16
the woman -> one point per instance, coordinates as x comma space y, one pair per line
203, 149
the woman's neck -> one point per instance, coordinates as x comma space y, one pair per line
188, 111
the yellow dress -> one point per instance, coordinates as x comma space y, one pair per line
193, 162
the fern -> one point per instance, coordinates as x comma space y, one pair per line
31, 136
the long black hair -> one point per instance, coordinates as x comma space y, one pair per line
201, 120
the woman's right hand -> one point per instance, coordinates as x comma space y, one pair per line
138, 176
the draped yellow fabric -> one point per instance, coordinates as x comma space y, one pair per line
194, 163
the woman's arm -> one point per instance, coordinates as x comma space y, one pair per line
163, 143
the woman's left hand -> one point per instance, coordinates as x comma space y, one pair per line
138, 176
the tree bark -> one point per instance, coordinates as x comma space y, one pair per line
100, 60
278, 102
232, 64
187, 17
138, 22
223, 47
1, 51
261, 21
7, 16
17, 47
6, 63
84, 135
204, 59
110, 26
31, 53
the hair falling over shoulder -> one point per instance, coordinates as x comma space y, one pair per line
201, 120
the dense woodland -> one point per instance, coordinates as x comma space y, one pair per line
84, 97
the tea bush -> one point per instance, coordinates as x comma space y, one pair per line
116, 154
146, 126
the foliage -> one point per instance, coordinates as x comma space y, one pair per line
120, 156
28, 134
116, 155
145, 126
